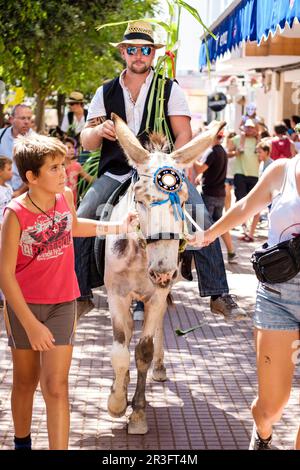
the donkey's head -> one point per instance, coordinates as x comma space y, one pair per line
160, 194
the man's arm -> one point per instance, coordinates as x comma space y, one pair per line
181, 127
95, 130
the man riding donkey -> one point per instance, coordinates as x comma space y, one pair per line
128, 96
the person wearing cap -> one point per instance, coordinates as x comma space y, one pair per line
74, 121
127, 96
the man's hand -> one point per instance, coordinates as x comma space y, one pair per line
106, 130
40, 337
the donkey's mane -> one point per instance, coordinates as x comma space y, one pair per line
157, 142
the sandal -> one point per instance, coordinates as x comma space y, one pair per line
246, 238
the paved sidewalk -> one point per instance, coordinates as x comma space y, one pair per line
204, 404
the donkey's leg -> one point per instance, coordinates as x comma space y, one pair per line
159, 371
122, 325
154, 310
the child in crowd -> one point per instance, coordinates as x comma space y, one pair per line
6, 193
40, 286
74, 169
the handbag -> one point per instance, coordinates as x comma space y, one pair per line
278, 263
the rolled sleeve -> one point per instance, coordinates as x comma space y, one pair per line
178, 105
96, 108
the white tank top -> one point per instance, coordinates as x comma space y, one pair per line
284, 217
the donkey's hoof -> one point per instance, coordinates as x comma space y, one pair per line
116, 406
159, 374
137, 426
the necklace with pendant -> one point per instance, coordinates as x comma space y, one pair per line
37, 207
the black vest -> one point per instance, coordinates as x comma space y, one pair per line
113, 158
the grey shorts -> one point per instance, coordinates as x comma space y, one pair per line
59, 318
278, 306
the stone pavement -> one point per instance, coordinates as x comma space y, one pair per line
211, 379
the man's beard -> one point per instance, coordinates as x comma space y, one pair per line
139, 70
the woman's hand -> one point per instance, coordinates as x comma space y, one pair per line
201, 239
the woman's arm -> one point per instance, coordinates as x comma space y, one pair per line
91, 228
258, 198
40, 337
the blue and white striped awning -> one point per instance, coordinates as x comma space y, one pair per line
248, 20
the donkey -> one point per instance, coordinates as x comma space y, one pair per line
143, 266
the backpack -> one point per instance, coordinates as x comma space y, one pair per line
3, 133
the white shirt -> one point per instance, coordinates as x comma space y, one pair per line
177, 106
76, 125
6, 193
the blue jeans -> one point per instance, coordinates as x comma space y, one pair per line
91, 208
208, 260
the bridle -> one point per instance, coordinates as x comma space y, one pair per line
173, 199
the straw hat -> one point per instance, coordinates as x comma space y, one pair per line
75, 97
138, 32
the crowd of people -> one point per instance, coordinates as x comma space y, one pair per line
259, 166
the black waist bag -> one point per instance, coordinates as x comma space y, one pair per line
278, 263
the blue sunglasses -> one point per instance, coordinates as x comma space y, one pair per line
132, 50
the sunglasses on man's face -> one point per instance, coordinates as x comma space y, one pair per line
132, 50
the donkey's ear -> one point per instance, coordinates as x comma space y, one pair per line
135, 153
194, 149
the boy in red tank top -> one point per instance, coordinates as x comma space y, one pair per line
38, 279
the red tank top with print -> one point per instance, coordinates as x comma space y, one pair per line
281, 148
45, 263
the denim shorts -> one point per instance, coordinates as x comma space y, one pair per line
278, 305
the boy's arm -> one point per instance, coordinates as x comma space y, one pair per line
40, 337
91, 228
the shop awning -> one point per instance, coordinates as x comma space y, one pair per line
248, 20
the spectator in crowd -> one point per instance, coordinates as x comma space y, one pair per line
6, 193
74, 169
263, 151
20, 125
211, 174
281, 145
75, 119
229, 181
277, 313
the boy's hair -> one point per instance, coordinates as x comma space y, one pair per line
4, 161
265, 146
30, 153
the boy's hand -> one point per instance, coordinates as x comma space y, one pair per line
130, 223
200, 239
40, 337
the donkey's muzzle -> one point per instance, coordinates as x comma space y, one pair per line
163, 280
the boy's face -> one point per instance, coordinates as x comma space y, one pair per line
262, 155
52, 175
6, 173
